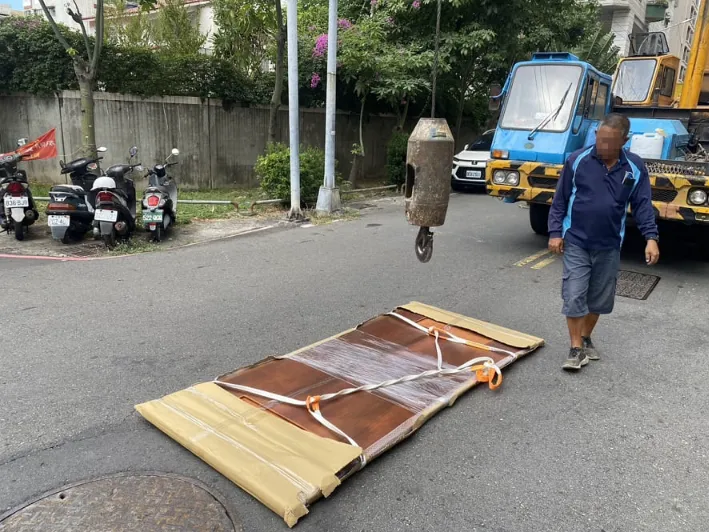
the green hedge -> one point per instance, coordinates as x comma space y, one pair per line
31, 60
273, 172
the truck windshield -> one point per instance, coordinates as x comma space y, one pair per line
536, 92
633, 79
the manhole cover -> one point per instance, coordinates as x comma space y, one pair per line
635, 285
124, 503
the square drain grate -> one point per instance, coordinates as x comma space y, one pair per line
635, 285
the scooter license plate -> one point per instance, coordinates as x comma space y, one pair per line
58, 221
103, 215
12, 202
152, 216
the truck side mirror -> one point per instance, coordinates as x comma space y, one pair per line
494, 101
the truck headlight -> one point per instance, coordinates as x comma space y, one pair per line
512, 178
506, 177
499, 177
697, 197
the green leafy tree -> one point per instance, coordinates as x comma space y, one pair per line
85, 63
174, 31
127, 27
599, 50
250, 33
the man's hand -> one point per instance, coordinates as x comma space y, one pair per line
557, 245
652, 252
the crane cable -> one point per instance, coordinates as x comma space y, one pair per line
435, 59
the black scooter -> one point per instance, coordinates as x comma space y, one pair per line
70, 212
114, 216
159, 207
19, 210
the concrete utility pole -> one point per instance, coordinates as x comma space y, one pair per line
329, 195
293, 111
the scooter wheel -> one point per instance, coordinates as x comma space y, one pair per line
157, 234
109, 240
19, 231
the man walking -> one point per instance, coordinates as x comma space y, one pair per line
587, 226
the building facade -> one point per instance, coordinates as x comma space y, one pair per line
678, 25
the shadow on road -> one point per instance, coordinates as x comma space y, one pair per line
678, 244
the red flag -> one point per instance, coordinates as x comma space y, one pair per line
45, 147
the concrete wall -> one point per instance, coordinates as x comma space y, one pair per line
218, 147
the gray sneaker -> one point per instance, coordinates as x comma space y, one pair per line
590, 349
577, 359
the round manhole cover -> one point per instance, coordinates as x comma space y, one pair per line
125, 502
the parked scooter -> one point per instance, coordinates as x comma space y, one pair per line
159, 206
114, 215
70, 213
19, 210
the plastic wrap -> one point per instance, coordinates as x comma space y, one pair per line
372, 360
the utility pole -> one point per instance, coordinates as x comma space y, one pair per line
293, 111
329, 194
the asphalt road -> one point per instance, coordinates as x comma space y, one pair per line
621, 446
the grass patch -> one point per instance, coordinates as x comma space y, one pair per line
186, 213
345, 215
134, 246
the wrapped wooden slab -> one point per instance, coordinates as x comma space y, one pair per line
285, 458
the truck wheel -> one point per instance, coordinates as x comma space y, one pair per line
539, 218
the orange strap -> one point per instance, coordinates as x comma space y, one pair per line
313, 402
490, 376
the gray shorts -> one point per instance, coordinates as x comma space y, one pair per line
589, 280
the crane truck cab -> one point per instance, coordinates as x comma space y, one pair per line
647, 77
550, 107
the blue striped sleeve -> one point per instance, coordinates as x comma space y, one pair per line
561, 200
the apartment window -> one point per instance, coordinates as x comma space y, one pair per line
690, 34
667, 84
685, 54
682, 72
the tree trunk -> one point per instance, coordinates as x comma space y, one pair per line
88, 133
356, 170
361, 121
278, 86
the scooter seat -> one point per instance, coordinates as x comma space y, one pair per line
69, 189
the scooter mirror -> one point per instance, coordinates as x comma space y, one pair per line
61, 163
22, 142
175, 151
133, 151
101, 149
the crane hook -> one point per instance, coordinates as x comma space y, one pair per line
424, 244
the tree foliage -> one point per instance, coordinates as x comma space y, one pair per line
127, 27
246, 34
33, 61
169, 29
174, 32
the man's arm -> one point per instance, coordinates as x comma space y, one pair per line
561, 201
641, 206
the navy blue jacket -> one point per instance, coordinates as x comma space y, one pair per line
591, 202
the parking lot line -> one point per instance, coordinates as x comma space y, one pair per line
546, 262
532, 258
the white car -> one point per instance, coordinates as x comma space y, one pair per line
469, 165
